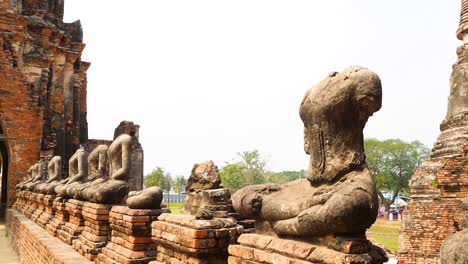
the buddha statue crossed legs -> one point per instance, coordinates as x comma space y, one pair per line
97, 171
29, 178
114, 189
338, 196
37, 176
55, 176
77, 170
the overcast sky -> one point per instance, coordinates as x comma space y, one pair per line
208, 79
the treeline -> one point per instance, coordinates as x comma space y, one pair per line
392, 162
247, 168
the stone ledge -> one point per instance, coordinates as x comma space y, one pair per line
34, 245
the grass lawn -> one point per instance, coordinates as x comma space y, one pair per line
385, 233
389, 242
175, 207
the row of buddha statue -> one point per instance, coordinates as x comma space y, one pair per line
100, 176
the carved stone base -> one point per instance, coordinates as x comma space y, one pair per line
184, 239
75, 225
131, 236
96, 232
259, 249
60, 218
48, 213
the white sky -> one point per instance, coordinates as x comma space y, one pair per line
207, 79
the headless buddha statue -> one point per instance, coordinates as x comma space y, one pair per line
55, 176
115, 188
338, 196
77, 170
97, 171
38, 176
28, 179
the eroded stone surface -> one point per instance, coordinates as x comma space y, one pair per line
339, 193
205, 176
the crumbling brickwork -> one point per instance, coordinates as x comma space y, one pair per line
34, 245
438, 187
431, 218
42, 84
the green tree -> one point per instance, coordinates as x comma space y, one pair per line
155, 178
232, 176
179, 183
285, 176
248, 168
392, 162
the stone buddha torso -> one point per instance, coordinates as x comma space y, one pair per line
115, 188
338, 196
77, 172
37, 176
97, 171
28, 179
55, 175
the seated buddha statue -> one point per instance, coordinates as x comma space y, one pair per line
97, 171
338, 195
77, 171
114, 189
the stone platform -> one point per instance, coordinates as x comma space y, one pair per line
217, 201
31, 204
131, 236
48, 212
60, 218
75, 225
96, 230
34, 245
184, 239
261, 249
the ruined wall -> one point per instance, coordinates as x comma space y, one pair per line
34, 245
42, 84
436, 212
438, 187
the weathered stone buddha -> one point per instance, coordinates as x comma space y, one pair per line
37, 176
338, 196
115, 188
29, 178
54, 175
97, 171
77, 171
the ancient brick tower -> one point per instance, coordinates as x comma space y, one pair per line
42, 87
438, 187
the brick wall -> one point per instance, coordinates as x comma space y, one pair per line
42, 84
434, 214
35, 246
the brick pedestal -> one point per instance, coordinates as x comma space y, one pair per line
131, 236
75, 225
217, 201
60, 218
48, 212
96, 232
184, 239
31, 204
39, 200
20, 202
262, 249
